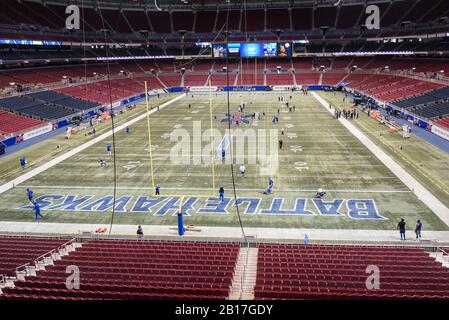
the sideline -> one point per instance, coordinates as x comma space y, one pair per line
11, 184
421, 192
375, 237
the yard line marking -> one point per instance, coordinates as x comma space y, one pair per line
225, 174
421, 192
200, 189
9, 185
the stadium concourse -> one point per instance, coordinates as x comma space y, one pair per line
224, 150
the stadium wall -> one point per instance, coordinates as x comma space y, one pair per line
36, 132
440, 131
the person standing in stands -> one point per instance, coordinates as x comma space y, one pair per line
418, 230
401, 227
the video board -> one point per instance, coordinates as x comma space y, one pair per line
252, 50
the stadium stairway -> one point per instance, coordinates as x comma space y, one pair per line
244, 280
135, 269
441, 256
203, 270
40, 263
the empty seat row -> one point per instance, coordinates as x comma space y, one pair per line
339, 272
137, 270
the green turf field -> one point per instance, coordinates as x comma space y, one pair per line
318, 152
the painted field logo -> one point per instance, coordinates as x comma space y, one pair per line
356, 209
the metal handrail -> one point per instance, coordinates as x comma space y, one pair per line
18, 269
43, 256
242, 280
438, 249
64, 245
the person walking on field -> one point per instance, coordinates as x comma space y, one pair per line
37, 210
221, 194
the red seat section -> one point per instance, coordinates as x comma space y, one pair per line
333, 78
339, 272
11, 123
126, 269
17, 251
443, 122
120, 89
390, 87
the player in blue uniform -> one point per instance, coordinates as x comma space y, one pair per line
102, 162
37, 210
23, 162
127, 130
158, 189
320, 194
270, 186
30, 194
221, 194
223, 154
108, 148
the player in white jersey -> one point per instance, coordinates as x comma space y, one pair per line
242, 170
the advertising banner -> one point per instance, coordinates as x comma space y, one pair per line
37, 132
441, 132
199, 89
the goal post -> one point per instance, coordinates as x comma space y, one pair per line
152, 171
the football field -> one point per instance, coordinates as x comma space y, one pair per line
317, 152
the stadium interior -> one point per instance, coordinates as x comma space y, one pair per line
365, 109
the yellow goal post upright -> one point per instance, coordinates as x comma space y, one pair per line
212, 153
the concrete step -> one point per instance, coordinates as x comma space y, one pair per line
245, 275
47, 261
441, 258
